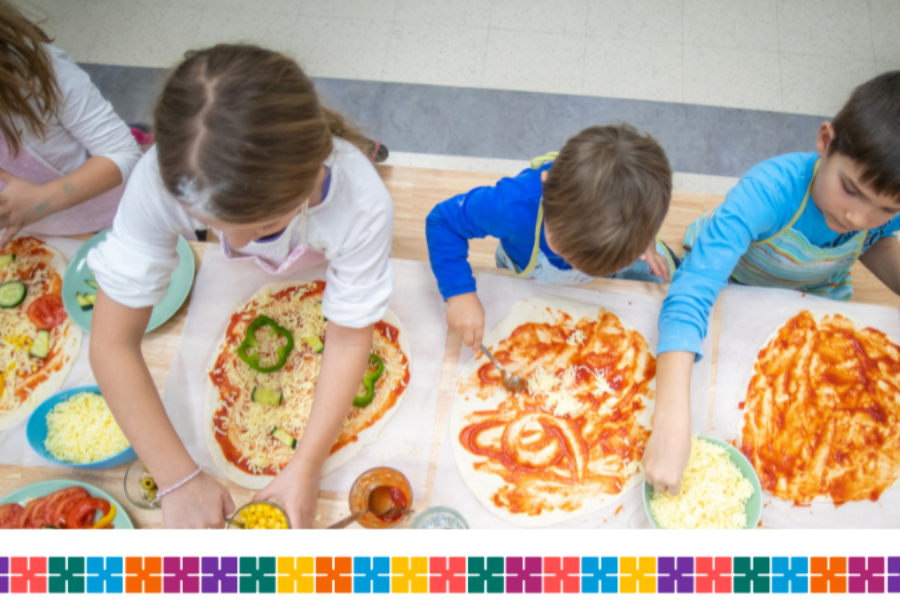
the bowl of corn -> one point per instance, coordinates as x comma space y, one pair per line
259, 515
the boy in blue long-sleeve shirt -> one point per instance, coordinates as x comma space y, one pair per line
797, 221
593, 211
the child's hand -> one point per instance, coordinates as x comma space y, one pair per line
202, 503
667, 452
658, 263
465, 316
296, 487
21, 204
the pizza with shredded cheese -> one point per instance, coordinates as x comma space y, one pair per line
572, 442
256, 418
822, 413
39, 344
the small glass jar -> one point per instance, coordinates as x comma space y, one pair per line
137, 490
439, 517
366, 483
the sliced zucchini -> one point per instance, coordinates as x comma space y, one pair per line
92, 283
266, 397
284, 437
12, 293
7, 259
324, 318
85, 301
41, 346
315, 342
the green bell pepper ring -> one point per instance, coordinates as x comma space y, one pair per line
250, 342
369, 380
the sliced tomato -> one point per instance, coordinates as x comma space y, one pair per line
33, 518
11, 516
64, 503
83, 514
47, 312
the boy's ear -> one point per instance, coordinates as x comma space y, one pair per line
824, 139
544, 177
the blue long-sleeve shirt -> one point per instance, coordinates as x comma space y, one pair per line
507, 211
762, 203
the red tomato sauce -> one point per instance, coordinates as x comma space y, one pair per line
821, 417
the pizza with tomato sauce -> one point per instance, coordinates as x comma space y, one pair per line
39, 344
822, 413
263, 379
570, 443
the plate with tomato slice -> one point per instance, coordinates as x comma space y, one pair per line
80, 286
62, 504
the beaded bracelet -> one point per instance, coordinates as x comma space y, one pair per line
169, 490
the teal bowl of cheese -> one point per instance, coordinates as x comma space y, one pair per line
74, 429
720, 490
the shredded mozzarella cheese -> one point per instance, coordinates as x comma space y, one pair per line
713, 495
82, 430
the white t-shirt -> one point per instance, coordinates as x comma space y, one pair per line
352, 226
84, 125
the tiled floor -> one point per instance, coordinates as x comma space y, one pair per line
797, 56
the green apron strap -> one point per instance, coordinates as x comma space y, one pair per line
540, 160
797, 214
537, 243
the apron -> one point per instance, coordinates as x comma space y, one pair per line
540, 268
788, 259
301, 257
94, 215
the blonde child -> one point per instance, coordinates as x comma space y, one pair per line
590, 210
797, 221
64, 152
243, 146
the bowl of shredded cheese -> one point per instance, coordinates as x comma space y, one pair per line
720, 490
75, 428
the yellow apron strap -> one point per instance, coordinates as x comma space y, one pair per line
862, 241
537, 243
797, 214
669, 258
549, 157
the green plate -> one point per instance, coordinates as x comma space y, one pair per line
44, 488
78, 273
754, 504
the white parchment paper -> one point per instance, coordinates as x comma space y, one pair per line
222, 285
749, 316
14, 448
498, 294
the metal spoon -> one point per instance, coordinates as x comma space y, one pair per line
380, 505
513, 383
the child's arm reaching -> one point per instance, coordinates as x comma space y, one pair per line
883, 259
344, 362
23, 203
117, 362
667, 452
482, 212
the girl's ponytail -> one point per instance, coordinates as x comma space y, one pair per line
342, 128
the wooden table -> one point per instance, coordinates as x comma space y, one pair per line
415, 192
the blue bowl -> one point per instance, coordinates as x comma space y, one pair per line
37, 432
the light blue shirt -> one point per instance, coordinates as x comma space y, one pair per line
762, 203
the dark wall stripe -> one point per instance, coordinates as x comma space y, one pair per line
518, 125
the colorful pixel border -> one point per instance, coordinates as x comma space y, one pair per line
449, 574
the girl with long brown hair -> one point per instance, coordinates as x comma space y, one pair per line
243, 146
64, 152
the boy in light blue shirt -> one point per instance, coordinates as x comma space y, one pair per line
797, 221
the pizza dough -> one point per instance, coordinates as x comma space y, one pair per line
32, 380
361, 427
821, 417
572, 443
